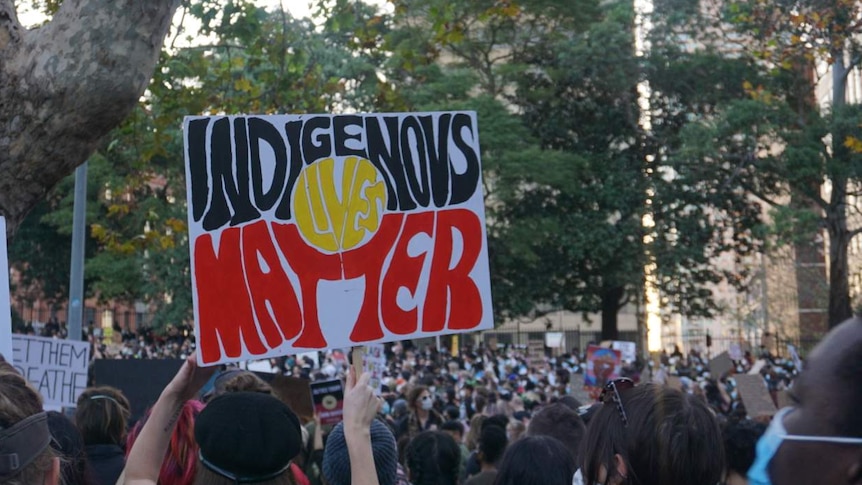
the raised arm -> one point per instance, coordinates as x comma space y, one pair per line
145, 458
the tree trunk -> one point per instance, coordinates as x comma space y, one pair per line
67, 84
839, 242
611, 304
836, 213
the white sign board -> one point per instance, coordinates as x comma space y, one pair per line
5, 305
554, 340
332, 231
628, 350
56, 368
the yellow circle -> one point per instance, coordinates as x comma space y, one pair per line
337, 220
329, 402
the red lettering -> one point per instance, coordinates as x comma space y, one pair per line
224, 309
453, 288
367, 260
311, 266
272, 286
404, 272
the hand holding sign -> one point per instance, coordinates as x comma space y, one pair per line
190, 379
360, 403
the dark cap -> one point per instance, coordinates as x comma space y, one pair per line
21, 443
247, 436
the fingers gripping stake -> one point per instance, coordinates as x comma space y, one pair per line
358, 361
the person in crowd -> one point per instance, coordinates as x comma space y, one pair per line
740, 438
472, 439
336, 462
561, 422
24, 433
818, 439
536, 460
422, 416
432, 458
515, 430
492, 445
246, 437
239, 380
456, 431
473, 466
102, 414
68, 443
181, 458
651, 435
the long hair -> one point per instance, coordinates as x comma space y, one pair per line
180, 462
433, 458
671, 437
102, 414
68, 443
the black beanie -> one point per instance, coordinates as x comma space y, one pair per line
336, 461
247, 436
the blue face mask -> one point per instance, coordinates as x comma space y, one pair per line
768, 444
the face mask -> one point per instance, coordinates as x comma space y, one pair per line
427, 404
768, 444
462, 393
386, 408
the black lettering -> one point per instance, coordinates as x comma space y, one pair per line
438, 156
197, 155
293, 130
464, 184
388, 161
261, 130
311, 134
53, 353
225, 187
341, 137
415, 158
79, 356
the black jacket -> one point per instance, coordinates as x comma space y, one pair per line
106, 463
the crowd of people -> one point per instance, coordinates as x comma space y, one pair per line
485, 416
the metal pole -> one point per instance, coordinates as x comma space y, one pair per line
76, 272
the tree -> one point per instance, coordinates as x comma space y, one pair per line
774, 143
65, 85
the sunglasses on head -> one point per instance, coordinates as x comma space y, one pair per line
611, 394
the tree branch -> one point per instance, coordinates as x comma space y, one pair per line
68, 84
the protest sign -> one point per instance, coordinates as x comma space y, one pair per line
578, 390
603, 365
628, 350
755, 396
554, 340
5, 305
319, 231
56, 368
720, 364
375, 364
294, 392
328, 398
141, 380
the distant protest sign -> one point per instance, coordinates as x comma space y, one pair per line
628, 350
319, 231
328, 398
56, 368
375, 364
720, 364
755, 396
603, 365
5, 305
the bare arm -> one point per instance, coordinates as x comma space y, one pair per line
360, 408
145, 458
